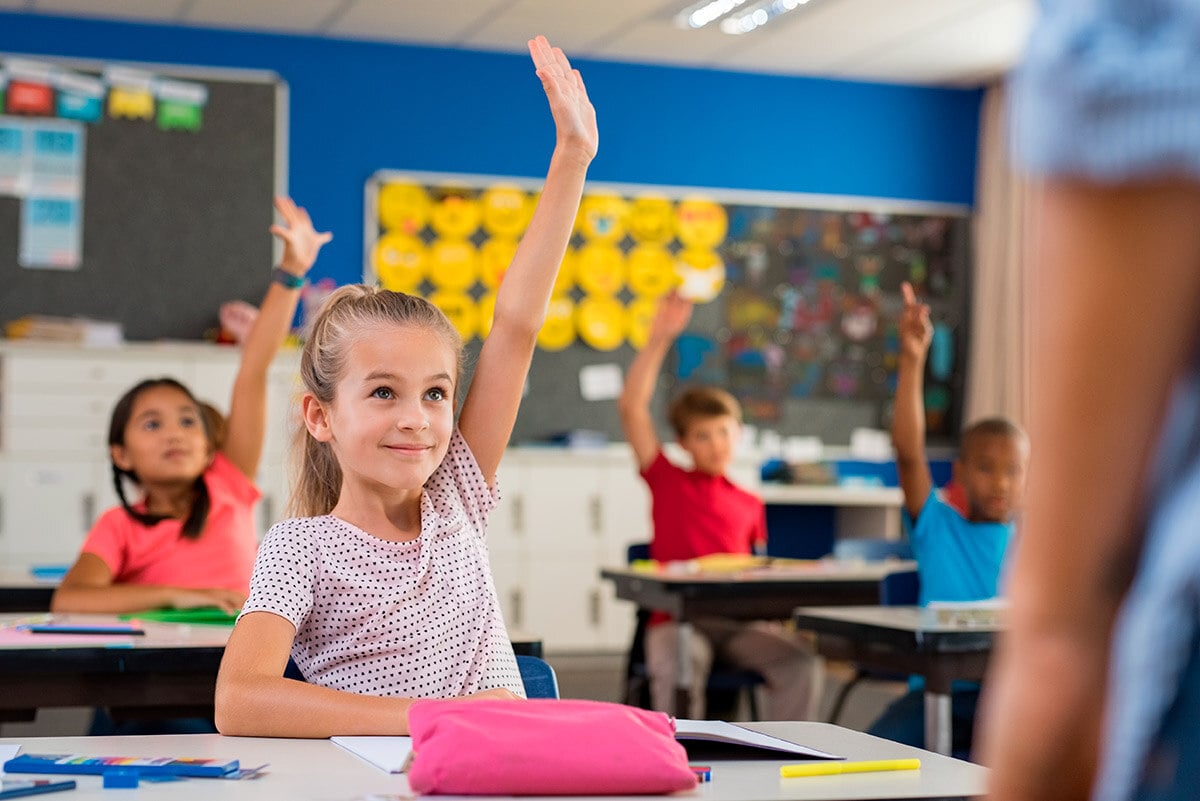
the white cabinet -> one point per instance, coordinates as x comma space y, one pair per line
566, 514
55, 404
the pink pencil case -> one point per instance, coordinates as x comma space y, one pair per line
544, 747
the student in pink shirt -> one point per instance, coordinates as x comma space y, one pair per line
381, 590
189, 541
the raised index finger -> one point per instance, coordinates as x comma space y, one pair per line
542, 53
910, 297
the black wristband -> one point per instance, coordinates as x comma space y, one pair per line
282, 276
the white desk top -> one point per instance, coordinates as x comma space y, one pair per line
812, 495
321, 771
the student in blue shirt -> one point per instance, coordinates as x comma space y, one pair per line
958, 558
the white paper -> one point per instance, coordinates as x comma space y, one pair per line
599, 382
386, 753
803, 450
7, 752
718, 731
870, 444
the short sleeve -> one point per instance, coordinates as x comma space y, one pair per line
107, 539
659, 470
285, 571
223, 478
459, 474
930, 519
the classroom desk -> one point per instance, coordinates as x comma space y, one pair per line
907, 639
757, 594
858, 511
20, 591
170, 671
321, 771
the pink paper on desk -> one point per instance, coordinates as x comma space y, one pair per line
16, 638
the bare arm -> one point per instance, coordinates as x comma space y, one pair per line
254, 700
670, 320
1111, 339
490, 409
88, 587
248, 405
908, 417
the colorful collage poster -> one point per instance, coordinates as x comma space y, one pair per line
41, 162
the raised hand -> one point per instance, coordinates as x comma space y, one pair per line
574, 116
916, 332
301, 242
672, 317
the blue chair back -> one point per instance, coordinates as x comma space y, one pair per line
537, 676
900, 589
872, 549
636, 551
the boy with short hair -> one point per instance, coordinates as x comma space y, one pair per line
700, 512
958, 558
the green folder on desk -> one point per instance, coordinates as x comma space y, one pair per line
205, 616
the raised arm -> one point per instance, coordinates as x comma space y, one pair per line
490, 409
248, 406
669, 322
908, 417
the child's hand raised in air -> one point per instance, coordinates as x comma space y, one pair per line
916, 332
672, 317
574, 117
301, 242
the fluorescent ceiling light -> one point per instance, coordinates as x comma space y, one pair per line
700, 14
758, 15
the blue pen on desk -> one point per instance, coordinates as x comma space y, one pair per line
74, 628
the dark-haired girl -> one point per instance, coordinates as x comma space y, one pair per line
189, 540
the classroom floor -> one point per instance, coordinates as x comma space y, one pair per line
594, 676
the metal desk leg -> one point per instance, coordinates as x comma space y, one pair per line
683, 671
937, 722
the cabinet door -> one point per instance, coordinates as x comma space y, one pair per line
46, 510
564, 506
563, 601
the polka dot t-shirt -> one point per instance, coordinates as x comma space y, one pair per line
416, 619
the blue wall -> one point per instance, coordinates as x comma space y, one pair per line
357, 107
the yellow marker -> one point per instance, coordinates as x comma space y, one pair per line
835, 768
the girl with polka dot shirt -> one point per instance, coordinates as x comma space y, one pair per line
380, 590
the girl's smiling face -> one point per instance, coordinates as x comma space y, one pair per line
392, 414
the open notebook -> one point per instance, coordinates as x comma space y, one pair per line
703, 739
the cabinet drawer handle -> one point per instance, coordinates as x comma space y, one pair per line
516, 607
594, 608
89, 510
518, 514
596, 508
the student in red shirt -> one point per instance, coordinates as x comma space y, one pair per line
699, 512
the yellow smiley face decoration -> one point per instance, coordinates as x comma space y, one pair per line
700, 224
400, 262
651, 271
558, 332
506, 211
639, 316
600, 269
602, 218
403, 207
456, 216
461, 311
652, 220
495, 255
701, 274
453, 265
601, 322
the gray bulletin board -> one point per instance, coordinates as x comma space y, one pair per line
802, 331
174, 221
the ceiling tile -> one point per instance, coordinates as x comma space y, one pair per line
141, 10
7, 4
443, 23
576, 27
661, 41
299, 16
972, 49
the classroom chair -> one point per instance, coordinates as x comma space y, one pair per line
723, 680
537, 676
895, 589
